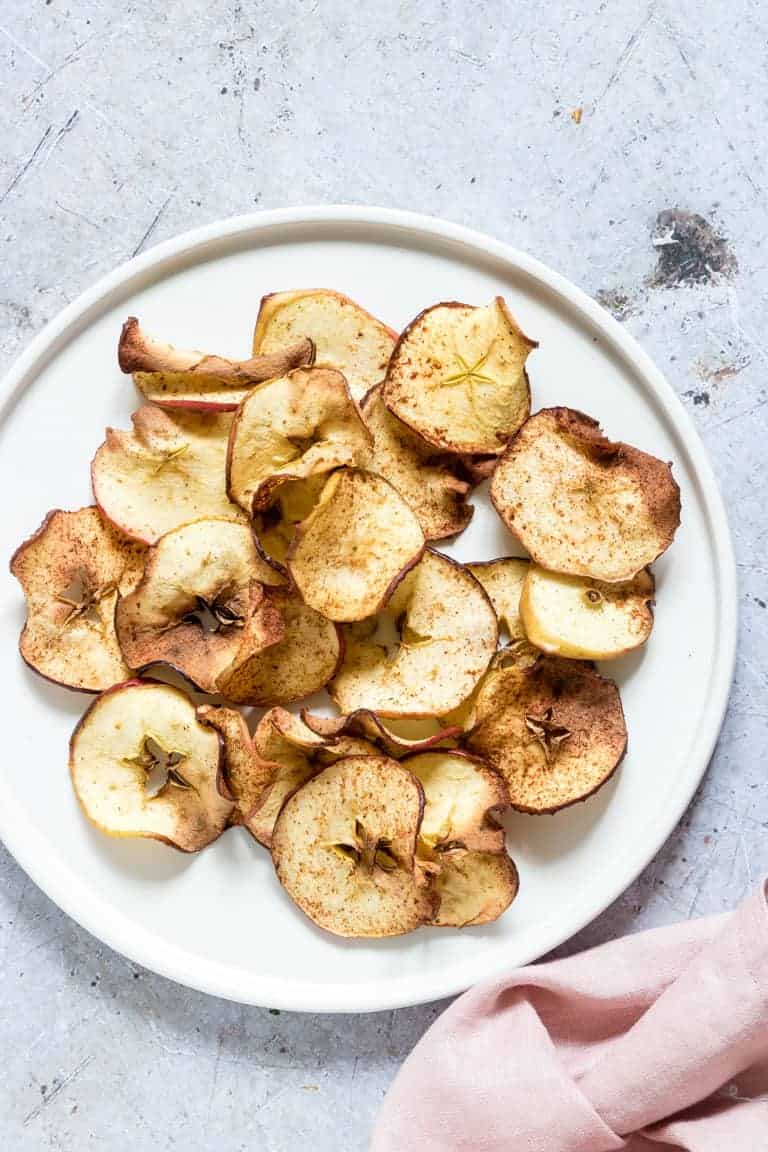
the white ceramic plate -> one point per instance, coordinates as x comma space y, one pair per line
219, 921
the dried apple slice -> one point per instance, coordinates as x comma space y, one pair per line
345, 336
366, 725
474, 888
71, 571
174, 378
553, 728
300, 425
247, 774
434, 484
457, 377
447, 636
170, 469
143, 765
503, 580
299, 664
201, 606
355, 546
586, 619
461, 795
344, 849
581, 504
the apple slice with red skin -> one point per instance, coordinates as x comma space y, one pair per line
168, 470
143, 765
246, 773
202, 606
71, 571
174, 378
345, 336
344, 849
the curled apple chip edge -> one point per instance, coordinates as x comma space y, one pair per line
294, 427
176, 378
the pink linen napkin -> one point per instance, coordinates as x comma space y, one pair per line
656, 1041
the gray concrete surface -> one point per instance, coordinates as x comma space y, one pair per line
126, 123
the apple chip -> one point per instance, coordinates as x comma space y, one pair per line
434, 484
457, 377
354, 547
170, 469
581, 504
300, 663
174, 378
553, 728
344, 849
474, 887
344, 335
461, 794
503, 580
143, 765
201, 606
366, 725
447, 636
586, 619
300, 425
247, 775
71, 571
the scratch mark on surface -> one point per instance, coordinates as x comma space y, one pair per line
475, 61
628, 52
152, 226
212, 1096
73, 55
56, 1089
23, 48
80, 216
26, 165
740, 415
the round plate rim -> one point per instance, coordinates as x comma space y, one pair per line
246, 987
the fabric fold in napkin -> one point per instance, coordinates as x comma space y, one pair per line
655, 1041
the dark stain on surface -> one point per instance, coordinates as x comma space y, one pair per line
690, 251
759, 601
700, 399
616, 302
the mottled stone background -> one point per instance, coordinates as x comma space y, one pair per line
623, 143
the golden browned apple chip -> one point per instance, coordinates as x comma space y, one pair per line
170, 469
355, 546
174, 378
344, 849
247, 775
300, 425
433, 483
143, 765
474, 887
345, 336
503, 580
582, 504
71, 572
553, 728
586, 619
366, 725
300, 663
457, 377
461, 795
202, 606
447, 634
